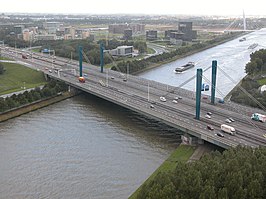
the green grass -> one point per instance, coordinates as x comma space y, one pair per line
36, 50
150, 51
4, 58
262, 81
181, 154
15, 75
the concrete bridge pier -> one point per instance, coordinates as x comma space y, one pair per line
191, 140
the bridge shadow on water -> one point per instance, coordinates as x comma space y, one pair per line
131, 121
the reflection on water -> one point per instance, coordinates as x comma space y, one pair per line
83, 147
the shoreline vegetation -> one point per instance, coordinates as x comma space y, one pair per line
181, 154
4, 116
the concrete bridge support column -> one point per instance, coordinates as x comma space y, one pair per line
191, 140
46, 76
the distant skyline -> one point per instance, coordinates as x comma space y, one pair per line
169, 7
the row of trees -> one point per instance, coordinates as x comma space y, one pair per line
255, 68
252, 87
50, 89
237, 173
257, 62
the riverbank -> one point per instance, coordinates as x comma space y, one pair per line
34, 106
184, 153
155, 65
181, 154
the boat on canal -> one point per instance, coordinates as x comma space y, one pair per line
252, 46
185, 67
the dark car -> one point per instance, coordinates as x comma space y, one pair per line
210, 127
231, 119
220, 134
209, 113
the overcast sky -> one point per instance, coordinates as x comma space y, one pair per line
189, 7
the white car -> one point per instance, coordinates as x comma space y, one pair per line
208, 116
174, 101
163, 99
228, 121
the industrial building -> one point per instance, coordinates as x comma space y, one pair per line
151, 34
184, 33
122, 51
51, 27
128, 34
186, 28
120, 28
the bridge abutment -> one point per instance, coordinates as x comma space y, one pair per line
191, 140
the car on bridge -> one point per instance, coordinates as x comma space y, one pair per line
228, 121
220, 134
174, 101
209, 113
210, 127
163, 99
231, 119
208, 116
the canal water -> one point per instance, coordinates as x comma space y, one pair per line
83, 147
232, 58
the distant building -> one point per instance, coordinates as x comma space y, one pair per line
45, 37
122, 51
85, 34
18, 29
51, 27
120, 28
186, 28
151, 34
70, 33
117, 28
128, 34
26, 35
168, 32
137, 28
176, 38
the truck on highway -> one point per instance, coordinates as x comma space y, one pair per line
24, 56
228, 129
258, 117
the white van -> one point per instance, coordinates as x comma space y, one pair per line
228, 129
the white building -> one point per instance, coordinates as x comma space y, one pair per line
122, 51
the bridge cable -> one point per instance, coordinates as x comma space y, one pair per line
243, 116
244, 90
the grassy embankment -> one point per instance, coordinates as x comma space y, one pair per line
181, 154
17, 76
262, 81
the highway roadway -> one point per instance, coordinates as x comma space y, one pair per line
139, 94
